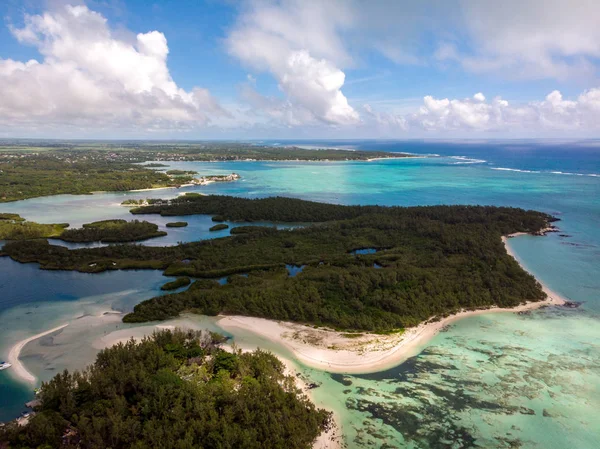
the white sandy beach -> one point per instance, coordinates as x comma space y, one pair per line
331, 351
13, 356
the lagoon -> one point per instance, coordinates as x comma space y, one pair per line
488, 381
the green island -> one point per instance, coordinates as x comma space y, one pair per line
112, 231
14, 227
218, 227
177, 224
173, 390
370, 268
30, 168
177, 283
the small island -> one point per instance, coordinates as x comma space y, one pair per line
177, 224
112, 231
219, 227
177, 283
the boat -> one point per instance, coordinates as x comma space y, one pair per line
4, 365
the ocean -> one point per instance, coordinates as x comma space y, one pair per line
501, 381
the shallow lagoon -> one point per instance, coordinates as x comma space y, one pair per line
501, 380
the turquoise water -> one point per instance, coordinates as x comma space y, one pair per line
501, 380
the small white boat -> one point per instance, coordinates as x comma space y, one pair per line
4, 365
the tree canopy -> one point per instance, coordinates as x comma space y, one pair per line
173, 390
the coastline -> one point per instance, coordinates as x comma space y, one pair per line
18, 369
332, 438
331, 351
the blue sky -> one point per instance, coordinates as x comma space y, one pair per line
299, 69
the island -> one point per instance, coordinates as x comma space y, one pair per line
112, 231
177, 224
218, 227
424, 263
14, 227
171, 390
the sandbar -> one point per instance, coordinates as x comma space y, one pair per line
18, 369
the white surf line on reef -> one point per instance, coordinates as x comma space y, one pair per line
13, 356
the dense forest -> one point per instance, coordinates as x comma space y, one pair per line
112, 231
14, 227
425, 262
174, 390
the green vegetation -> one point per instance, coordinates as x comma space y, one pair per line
177, 283
42, 175
219, 227
275, 209
434, 260
263, 230
11, 217
133, 202
181, 172
113, 231
177, 224
14, 227
174, 390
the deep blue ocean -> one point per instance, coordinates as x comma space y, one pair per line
499, 380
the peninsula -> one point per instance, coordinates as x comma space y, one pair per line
363, 268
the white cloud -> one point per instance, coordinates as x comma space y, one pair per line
531, 39
476, 114
91, 79
299, 45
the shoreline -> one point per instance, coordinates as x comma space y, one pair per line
330, 351
331, 438
18, 369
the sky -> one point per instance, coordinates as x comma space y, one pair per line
299, 69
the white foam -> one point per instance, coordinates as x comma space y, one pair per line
466, 160
515, 170
555, 172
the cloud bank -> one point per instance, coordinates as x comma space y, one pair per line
479, 115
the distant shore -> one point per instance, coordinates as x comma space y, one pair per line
337, 352
13, 356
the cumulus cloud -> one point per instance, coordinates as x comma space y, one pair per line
299, 45
91, 78
475, 114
